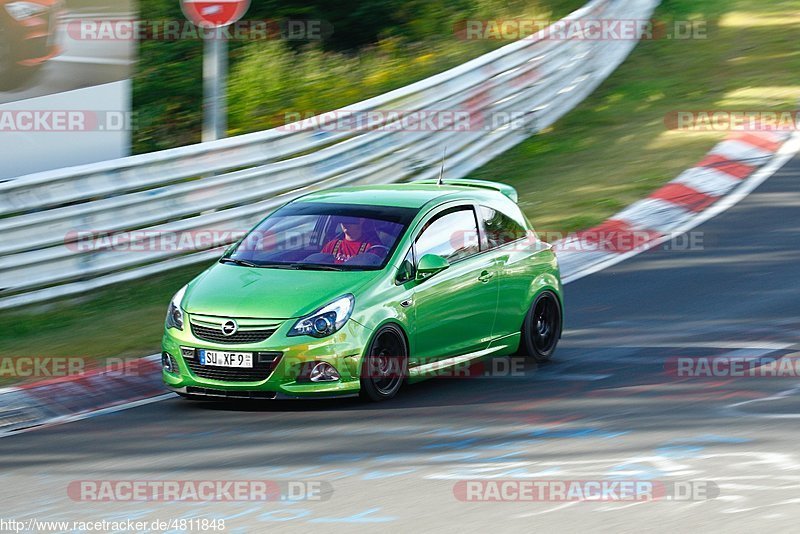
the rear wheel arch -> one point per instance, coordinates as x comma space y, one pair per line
542, 344
546, 282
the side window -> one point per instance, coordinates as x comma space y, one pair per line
407, 270
452, 235
499, 228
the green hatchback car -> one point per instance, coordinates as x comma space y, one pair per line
358, 290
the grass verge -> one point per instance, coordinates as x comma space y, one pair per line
615, 147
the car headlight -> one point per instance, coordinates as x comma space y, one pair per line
24, 10
326, 320
174, 312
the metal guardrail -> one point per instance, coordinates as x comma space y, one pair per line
232, 183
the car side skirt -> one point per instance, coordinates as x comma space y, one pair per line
432, 369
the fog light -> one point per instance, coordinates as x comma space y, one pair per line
168, 363
324, 372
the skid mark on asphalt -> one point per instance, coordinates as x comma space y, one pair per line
547, 511
742, 408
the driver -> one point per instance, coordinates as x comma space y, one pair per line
356, 240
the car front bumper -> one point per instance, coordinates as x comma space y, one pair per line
343, 350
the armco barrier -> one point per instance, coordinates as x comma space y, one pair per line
233, 183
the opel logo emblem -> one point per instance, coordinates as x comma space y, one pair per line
230, 327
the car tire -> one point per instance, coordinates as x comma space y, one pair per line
541, 329
385, 364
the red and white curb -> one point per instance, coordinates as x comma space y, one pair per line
68, 398
729, 172
726, 175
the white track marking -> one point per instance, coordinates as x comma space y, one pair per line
732, 345
734, 150
549, 510
575, 377
109, 16
94, 60
86, 415
708, 181
652, 214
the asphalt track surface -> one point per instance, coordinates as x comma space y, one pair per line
607, 408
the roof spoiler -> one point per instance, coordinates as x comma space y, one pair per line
505, 189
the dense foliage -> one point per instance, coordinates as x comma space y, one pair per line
367, 48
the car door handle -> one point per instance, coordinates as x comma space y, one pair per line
485, 276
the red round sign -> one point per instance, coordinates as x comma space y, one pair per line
214, 13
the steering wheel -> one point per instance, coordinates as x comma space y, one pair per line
373, 247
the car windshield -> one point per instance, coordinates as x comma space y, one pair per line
324, 236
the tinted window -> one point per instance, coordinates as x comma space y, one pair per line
500, 228
320, 235
453, 236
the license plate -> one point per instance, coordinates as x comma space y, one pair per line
226, 359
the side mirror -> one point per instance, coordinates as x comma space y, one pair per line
430, 264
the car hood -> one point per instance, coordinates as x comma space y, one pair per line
234, 291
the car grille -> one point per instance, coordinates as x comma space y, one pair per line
263, 365
241, 337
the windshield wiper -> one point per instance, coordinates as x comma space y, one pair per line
294, 266
243, 263
314, 267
